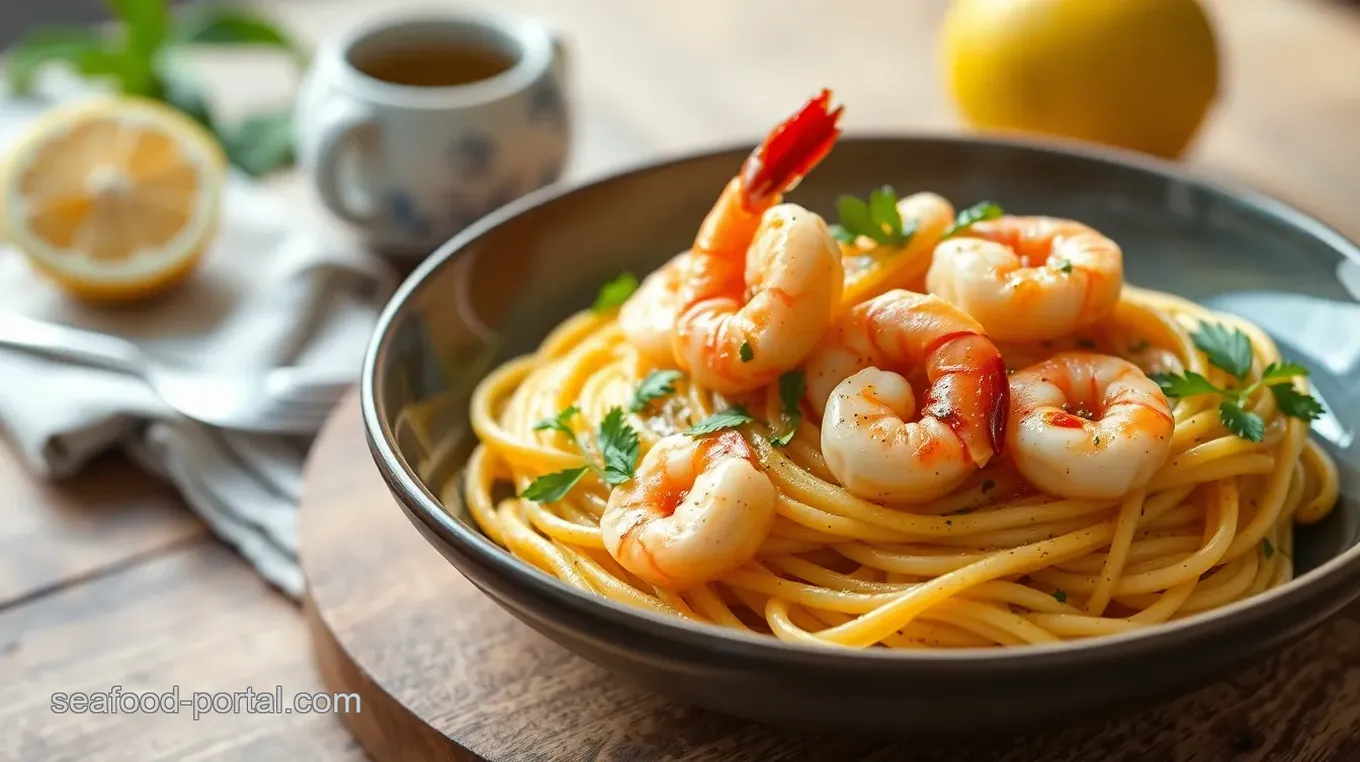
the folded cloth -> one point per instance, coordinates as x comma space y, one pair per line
268, 293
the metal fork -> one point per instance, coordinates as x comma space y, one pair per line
282, 400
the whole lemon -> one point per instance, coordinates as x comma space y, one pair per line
1140, 74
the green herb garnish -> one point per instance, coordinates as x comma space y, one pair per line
1063, 266
657, 384
724, 419
966, 218
555, 486
1060, 596
877, 220
745, 351
614, 293
616, 442
1231, 352
1266, 548
791, 387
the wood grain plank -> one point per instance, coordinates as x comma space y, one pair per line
52, 534
197, 618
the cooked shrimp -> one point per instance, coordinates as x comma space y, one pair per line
763, 279
869, 440
648, 317
1086, 425
1029, 278
694, 510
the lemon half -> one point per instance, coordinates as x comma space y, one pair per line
114, 199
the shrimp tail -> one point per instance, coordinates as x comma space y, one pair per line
790, 151
995, 389
971, 360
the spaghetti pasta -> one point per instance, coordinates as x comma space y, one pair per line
991, 564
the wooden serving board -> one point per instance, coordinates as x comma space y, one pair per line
445, 674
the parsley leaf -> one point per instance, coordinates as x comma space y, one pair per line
1063, 266
614, 293
724, 419
559, 422
791, 387
1280, 371
1243, 423
655, 385
877, 220
1266, 548
617, 443
966, 218
1060, 596
747, 354
1187, 385
1228, 351
555, 486
1295, 403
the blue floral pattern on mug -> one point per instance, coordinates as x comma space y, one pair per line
546, 105
406, 215
473, 155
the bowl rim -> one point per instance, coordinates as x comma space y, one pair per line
423, 505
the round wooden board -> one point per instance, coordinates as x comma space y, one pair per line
445, 674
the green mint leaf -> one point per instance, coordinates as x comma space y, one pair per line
724, 419
1229, 351
854, 217
841, 234
83, 50
559, 422
146, 22
1279, 371
262, 143
617, 443
791, 386
614, 293
966, 218
1187, 385
1243, 423
146, 27
1267, 549
555, 486
657, 384
747, 354
231, 25
1295, 403
1060, 596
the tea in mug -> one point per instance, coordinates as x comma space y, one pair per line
435, 65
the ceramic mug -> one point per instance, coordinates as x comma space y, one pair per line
409, 164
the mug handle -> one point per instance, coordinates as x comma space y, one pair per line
340, 124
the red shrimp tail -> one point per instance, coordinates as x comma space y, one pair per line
790, 151
996, 396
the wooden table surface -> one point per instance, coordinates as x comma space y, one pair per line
107, 580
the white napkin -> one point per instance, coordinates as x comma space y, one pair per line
266, 294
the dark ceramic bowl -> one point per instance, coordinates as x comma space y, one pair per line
495, 290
